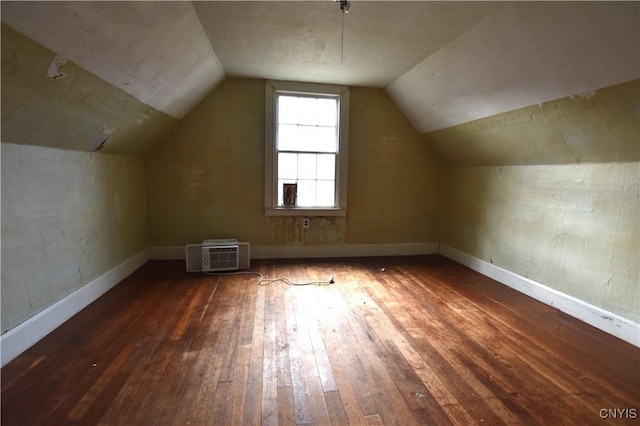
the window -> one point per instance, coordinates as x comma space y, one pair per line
306, 131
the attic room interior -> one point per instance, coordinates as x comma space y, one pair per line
431, 212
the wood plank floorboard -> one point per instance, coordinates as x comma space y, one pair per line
399, 340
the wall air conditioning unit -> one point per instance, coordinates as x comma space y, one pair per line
217, 255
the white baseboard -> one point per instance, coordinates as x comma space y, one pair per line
315, 251
342, 250
611, 323
24, 335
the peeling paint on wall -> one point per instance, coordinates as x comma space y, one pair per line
102, 137
587, 95
140, 120
55, 69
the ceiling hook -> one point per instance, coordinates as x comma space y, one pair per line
345, 5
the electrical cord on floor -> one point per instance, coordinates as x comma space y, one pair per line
267, 281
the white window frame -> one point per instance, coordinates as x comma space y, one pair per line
271, 206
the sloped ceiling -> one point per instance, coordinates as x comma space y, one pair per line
524, 54
157, 52
371, 46
443, 63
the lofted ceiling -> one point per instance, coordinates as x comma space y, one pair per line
443, 63
313, 41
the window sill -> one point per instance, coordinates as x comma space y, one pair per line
301, 211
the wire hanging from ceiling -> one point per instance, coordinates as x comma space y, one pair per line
345, 5
342, 41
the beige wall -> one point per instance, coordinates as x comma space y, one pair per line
206, 180
573, 226
394, 179
67, 217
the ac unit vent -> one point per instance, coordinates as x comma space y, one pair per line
220, 258
217, 255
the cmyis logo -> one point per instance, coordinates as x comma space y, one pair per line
618, 413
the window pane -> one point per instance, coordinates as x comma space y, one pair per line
306, 193
306, 138
306, 166
317, 111
325, 193
326, 164
287, 166
326, 112
288, 109
307, 111
319, 139
288, 138
315, 175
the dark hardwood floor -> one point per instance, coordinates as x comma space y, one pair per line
406, 340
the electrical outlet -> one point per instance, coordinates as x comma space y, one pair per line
305, 223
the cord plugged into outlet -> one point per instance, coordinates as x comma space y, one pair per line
331, 280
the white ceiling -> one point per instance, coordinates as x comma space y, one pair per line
443, 63
313, 41
524, 54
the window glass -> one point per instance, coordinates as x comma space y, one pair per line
288, 166
326, 166
306, 129
306, 155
